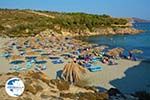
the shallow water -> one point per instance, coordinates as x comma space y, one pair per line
138, 41
137, 77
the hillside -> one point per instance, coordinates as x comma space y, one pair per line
138, 20
28, 22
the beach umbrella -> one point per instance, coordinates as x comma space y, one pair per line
136, 51
38, 50
31, 55
115, 51
119, 50
45, 54
7, 49
28, 49
38, 46
102, 47
41, 60
16, 57
72, 72
112, 53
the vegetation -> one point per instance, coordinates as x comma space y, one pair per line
24, 22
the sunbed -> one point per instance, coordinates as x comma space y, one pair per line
58, 61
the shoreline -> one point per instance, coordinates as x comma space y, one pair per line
104, 31
101, 78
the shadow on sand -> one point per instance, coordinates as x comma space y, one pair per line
136, 78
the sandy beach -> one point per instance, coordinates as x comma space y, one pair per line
100, 79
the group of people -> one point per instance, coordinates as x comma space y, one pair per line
108, 61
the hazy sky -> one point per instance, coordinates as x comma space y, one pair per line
116, 8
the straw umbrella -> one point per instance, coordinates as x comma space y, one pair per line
72, 72
16, 57
31, 55
136, 51
115, 52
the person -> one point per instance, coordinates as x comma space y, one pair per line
130, 55
105, 60
112, 62
74, 60
59, 74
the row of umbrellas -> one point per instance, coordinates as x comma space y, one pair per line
118, 51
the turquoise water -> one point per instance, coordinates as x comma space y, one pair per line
130, 82
139, 41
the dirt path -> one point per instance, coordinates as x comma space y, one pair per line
41, 14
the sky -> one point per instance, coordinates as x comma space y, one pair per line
115, 8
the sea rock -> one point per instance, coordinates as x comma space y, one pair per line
127, 31
113, 92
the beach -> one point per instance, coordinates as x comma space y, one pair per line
100, 79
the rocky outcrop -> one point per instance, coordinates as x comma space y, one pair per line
115, 94
38, 86
127, 31
102, 31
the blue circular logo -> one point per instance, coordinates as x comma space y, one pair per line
14, 87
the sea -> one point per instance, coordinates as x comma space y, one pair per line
128, 42
137, 77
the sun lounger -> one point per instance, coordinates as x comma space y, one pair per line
6, 55
58, 61
92, 68
53, 57
37, 68
95, 68
87, 65
44, 67
95, 59
16, 68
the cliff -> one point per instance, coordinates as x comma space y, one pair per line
139, 20
103, 31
